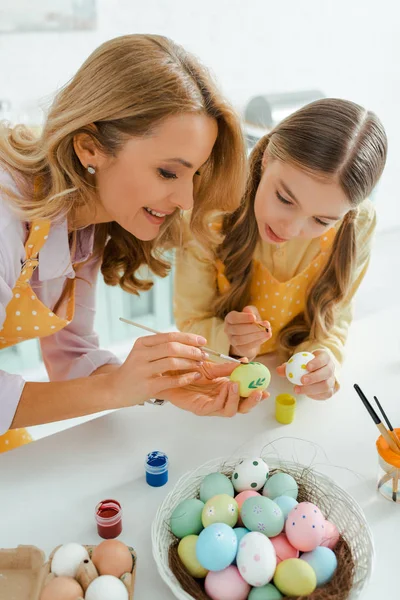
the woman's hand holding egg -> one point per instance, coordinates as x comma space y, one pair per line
245, 336
318, 381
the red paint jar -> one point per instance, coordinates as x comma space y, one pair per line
109, 519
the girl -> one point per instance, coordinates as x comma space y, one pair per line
294, 253
138, 135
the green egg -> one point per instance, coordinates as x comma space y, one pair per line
281, 484
266, 592
263, 515
220, 509
295, 577
251, 377
186, 518
187, 554
215, 484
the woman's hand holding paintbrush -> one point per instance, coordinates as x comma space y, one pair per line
246, 332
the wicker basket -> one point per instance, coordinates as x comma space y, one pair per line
335, 503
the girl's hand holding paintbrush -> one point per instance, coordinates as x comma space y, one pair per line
246, 332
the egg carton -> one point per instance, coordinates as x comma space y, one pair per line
24, 570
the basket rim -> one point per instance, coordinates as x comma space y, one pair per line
164, 569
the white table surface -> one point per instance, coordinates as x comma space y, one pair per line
49, 489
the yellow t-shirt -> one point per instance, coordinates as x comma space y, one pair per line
196, 284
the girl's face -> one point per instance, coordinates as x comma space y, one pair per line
152, 176
290, 203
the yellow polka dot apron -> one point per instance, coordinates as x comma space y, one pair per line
27, 317
280, 301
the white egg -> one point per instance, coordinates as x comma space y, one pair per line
250, 474
256, 559
67, 559
106, 587
296, 366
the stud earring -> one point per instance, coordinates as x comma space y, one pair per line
91, 169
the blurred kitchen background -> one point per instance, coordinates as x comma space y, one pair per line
269, 58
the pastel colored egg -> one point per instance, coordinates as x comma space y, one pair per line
296, 366
220, 509
331, 535
266, 592
216, 547
323, 561
215, 484
241, 497
186, 518
305, 527
283, 548
263, 515
187, 554
251, 377
281, 484
226, 585
286, 504
256, 559
240, 532
250, 474
295, 577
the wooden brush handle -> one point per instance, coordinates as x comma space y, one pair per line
385, 434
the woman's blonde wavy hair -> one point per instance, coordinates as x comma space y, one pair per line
125, 88
332, 138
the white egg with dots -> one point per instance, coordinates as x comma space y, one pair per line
107, 587
296, 367
250, 474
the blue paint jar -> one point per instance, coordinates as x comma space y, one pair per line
156, 468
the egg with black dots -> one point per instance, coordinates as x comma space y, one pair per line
250, 474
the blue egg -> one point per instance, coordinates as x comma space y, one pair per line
323, 561
286, 504
216, 547
281, 484
239, 532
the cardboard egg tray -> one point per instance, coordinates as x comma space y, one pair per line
23, 572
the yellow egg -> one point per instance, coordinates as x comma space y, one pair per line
187, 554
112, 557
62, 588
295, 577
251, 377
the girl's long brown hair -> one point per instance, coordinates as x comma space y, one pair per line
331, 138
125, 88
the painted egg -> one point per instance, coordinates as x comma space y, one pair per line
295, 577
216, 547
256, 559
266, 592
281, 484
331, 535
241, 497
215, 484
187, 554
226, 585
67, 559
263, 515
296, 366
251, 377
283, 548
250, 474
240, 532
286, 504
305, 527
220, 509
186, 518
323, 561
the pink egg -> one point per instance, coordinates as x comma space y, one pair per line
226, 585
283, 548
331, 535
305, 527
240, 498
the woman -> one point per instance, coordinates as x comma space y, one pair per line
139, 135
